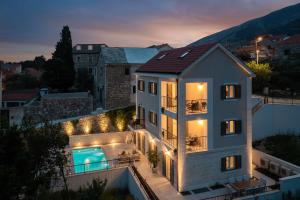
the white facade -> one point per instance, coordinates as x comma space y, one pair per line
194, 150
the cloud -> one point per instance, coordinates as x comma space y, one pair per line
31, 27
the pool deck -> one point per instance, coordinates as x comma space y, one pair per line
161, 185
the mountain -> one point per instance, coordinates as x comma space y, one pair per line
283, 21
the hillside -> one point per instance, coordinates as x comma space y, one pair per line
283, 21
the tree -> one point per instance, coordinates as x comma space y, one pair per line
263, 75
61, 67
21, 81
85, 81
29, 159
37, 63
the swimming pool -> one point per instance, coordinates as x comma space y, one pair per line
89, 159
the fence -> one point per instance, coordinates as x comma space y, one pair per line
244, 193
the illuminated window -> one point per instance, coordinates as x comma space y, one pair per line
231, 162
141, 85
152, 117
152, 88
230, 127
231, 91
78, 47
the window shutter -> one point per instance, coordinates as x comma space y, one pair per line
237, 91
223, 128
155, 88
149, 87
223, 92
155, 118
238, 126
238, 162
143, 85
149, 117
223, 164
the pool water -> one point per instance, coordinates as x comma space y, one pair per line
89, 159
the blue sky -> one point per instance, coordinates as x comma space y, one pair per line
31, 27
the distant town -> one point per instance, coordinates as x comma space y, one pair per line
214, 119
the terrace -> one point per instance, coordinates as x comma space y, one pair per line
196, 98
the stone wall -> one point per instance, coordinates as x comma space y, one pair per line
59, 108
118, 87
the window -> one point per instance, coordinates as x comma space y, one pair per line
134, 89
161, 57
152, 88
127, 71
153, 118
231, 91
90, 58
90, 70
230, 163
90, 47
78, 58
78, 47
141, 85
230, 127
185, 54
287, 52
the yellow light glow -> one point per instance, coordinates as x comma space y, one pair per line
68, 127
87, 161
103, 122
168, 153
200, 87
85, 125
152, 141
200, 122
259, 39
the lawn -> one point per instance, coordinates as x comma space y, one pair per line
284, 146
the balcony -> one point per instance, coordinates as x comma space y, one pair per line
196, 106
196, 98
196, 135
169, 103
196, 143
169, 137
137, 124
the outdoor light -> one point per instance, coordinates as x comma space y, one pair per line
259, 39
68, 127
200, 86
200, 122
168, 153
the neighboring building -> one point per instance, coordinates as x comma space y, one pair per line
194, 109
86, 57
289, 45
162, 47
33, 72
115, 74
13, 102
52, 106
10, 69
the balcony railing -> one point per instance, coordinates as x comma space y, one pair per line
196, 143
169, 137
169, 103
196, 106
137, 123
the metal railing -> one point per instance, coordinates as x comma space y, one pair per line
98, 166
151, 195
169, 103
196, 143
137, 123
169, 137
196, 106
247, 192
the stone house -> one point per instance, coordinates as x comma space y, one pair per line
116, 85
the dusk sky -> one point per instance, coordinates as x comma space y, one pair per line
31, 28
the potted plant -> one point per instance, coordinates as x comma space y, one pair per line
153, 159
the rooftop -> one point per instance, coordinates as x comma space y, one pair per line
292, 40
66, 95
175, 60
19, 95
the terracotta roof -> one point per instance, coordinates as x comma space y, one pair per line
19, 95
172, 62
295, 39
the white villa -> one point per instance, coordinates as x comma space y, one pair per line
194, 107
